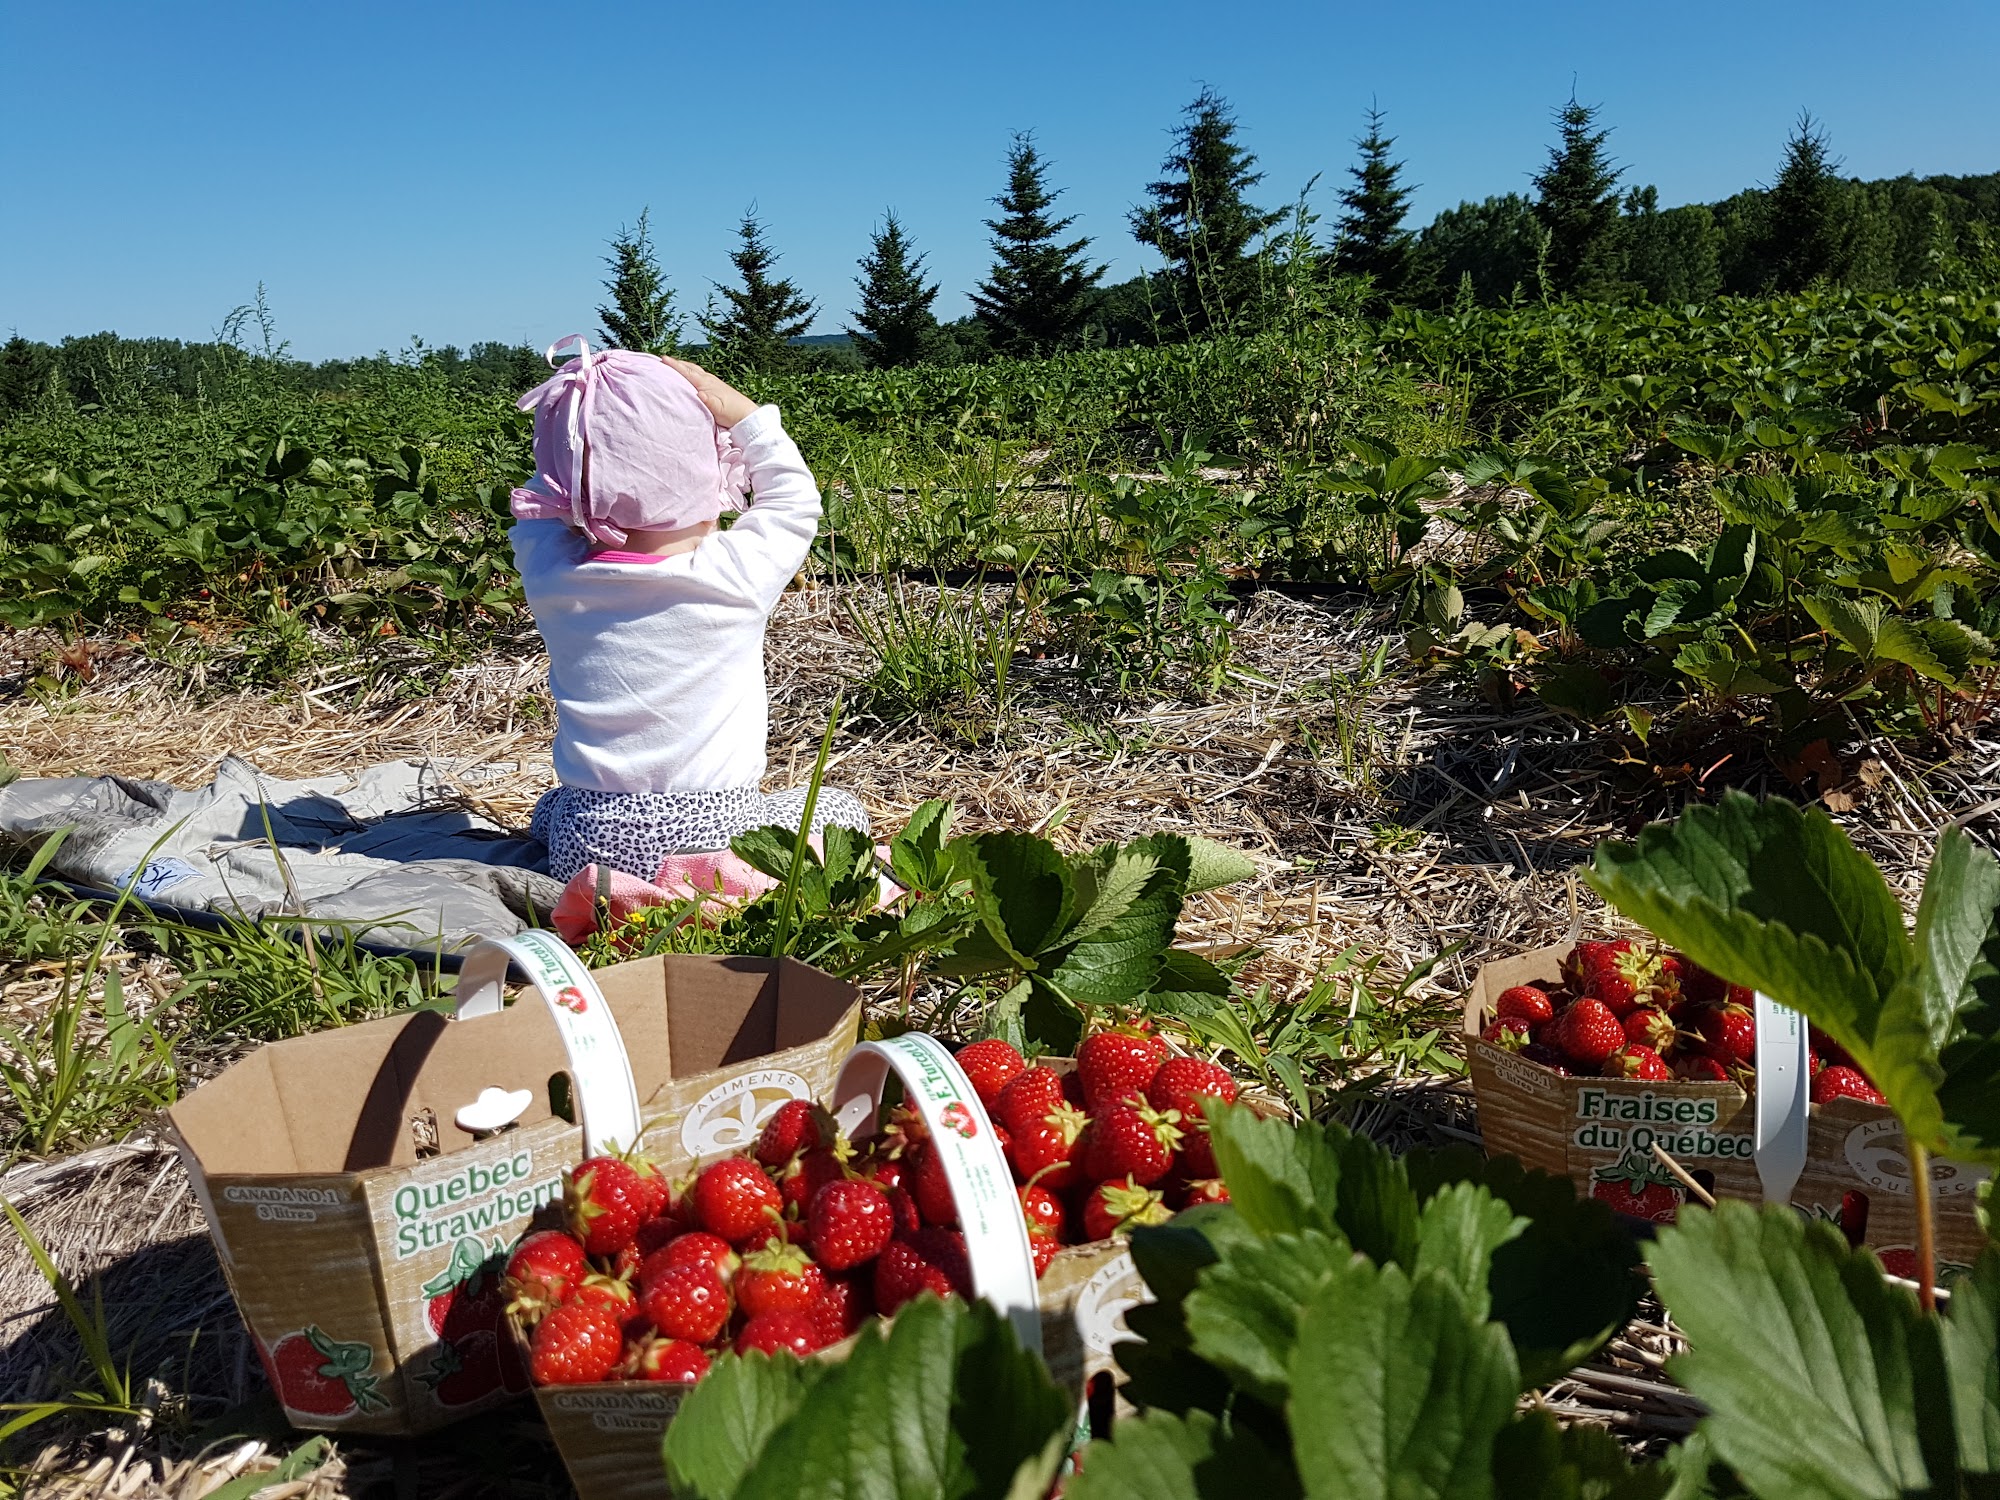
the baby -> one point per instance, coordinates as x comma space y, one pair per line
654, 619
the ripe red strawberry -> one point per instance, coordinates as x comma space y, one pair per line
1649, 1026
733, 1198
901, 1272
605, 1202
843, 1307
781, 1332
611, 1293
541, 1270
1132, 1139
1840, 1082
1043, 1211
1699, 1067
687, 1302
1180, 1085
803, 1176
945, 1249
850, 1221
1049, 1150
1639, 1188
1112, 1064
990, 1066
1728, 1033
1204, 1190
796, 1125
930, 1187
1635, 1060
1510, 1034
904, 1210
576, 1345
1183, 1082
1586, 1033
1546, 1056
1621, 974
1701, 985
1116, 1206
1835, 1054
1043, 1251
673, 1360
1029, 1096
659, 1193
778, 1278
696, 1247
1524, 1003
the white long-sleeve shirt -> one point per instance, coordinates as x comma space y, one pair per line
658, 667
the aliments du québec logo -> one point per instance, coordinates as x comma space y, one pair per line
475, 1202
732, 1115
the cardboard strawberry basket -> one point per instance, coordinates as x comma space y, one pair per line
609, 1433
363, 1186
1600, 1133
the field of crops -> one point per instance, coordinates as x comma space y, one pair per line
1410, 610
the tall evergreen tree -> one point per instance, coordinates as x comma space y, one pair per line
641, 314
1370, 239
1040, 290
1200, 219
1802, 239
895, 325
1576, 203
754, 328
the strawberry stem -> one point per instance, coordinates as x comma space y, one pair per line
1920, 1185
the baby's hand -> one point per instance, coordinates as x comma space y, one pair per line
728, 404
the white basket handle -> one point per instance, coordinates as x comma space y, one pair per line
606, 1097
1783, 1098
982, 1187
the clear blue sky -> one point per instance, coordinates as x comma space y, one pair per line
453, 170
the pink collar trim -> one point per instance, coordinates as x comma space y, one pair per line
626, 557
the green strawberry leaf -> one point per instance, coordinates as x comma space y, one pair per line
1536, 1458
917, 854
1161, 1367
1398, 1391
729, 1417
1955, 921
1244, 1317
1159, 1456
1971, 1332
1188, 986
1457, 1232
1020, 888
1129, 900
946, 1403
1212, 865
1313, 1176
1567, 1282
1821, 1378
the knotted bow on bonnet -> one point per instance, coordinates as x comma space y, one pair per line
623, 443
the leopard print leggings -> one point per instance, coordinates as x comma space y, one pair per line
636, 831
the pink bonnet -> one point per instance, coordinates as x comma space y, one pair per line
623, 443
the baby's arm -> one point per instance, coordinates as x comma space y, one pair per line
768, 543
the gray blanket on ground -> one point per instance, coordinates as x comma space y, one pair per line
378, 854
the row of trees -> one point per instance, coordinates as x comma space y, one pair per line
1581, 232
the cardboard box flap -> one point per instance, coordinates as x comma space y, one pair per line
715, 1011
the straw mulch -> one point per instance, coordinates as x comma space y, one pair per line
1395, 819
